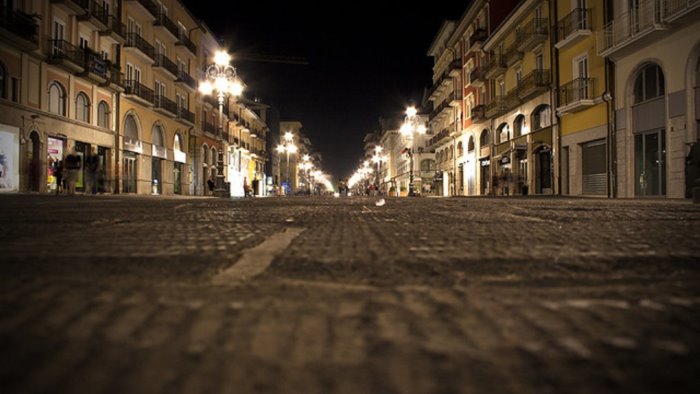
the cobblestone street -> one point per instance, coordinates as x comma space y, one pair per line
123, 294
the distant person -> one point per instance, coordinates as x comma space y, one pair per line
58, 174
72, 166
210, 184
92, 165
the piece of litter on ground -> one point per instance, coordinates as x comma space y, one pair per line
289, 220
380, 203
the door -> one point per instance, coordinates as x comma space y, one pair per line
34, 163
157, 176
594, 168
177, 184
543, 180
129, 173
650, 163
485, 180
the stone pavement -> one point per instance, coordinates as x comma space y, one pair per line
120, 294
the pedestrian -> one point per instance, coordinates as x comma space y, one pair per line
72, 166
92, 164
210, 184
58, 174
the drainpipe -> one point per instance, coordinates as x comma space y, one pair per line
609, 98
554, 99
117, 156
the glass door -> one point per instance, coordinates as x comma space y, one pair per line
129, 173
650, 163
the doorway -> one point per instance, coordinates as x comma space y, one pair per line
129, 173
650, 163
543, 171
34, 163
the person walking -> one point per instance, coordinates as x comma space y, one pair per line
58, 174
72, 166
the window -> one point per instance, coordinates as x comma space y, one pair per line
82, 107
103, 114
83, 43
177, 145
541, 117
470, 145
518, 126
158, 136
3, 81
470, 106
484, 138
14, 89
518, 75
539, 60
427, 165
57, 99
213, 156
460, 149
503, 133
649, 84
131, 131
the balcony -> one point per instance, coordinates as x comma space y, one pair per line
476, 77
184, 41
166, 65
455, 68
19, 29
186, 81
95, 67
440, 110
135, 91
512, 55
495, 107
72, 7
208, 127
495, 66
166, 24
576, 95
532, 34
164, 105
185, 116
115, 30
455, 98
643, 24
534, 83
477, 39
146, 8
478, 113
443, 134
137, 46
115, 79
574, 27
68, 56
96, 16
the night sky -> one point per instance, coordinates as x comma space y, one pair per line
366, 60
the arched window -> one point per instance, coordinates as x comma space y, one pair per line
131, 130
177, 144
649, 83
103, 114
450, 153
541, 117
484, 138
205, 155
460, 149
212, 158
470, 145
3, 81
518, 125
503, 132
57, 99
158, 139
427, 165
82, 107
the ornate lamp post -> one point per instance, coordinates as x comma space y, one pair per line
288, 147
222, 77
412, 124
378, 158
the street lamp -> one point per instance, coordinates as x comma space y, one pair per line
288, 147
307, 165
379, 158
222, 77
412, 124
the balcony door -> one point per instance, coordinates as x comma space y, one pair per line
650, 163
581, 74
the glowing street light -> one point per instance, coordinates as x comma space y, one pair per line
412, 124
222, 78
287, 147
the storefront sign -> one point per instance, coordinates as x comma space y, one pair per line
505, 160
132, 145
485, 162
179, 156
9, 159
159, 151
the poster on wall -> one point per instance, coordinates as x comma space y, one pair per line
9, 160
55, 154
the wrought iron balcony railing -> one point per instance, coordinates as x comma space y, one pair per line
167, 64
21, 24
60, 50
134, 87
576, 90
135, 40
578, 19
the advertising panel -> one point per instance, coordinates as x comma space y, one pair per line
9, 159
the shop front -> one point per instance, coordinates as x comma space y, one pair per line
55, 149
9, 159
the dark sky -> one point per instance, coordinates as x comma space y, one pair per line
366, 60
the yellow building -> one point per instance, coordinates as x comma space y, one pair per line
158, 58
59, 88
519, 69
582, 110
